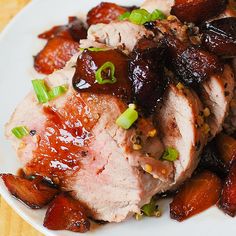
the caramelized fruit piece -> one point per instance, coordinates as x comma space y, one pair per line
191, 64
89, 62
210, 160
228, 197
105, 12
227, 148
219, 36
34, 193
74, 30
195, 196
146, 73
66, 213
55, 55
197, 11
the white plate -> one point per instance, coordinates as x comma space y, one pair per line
18, 43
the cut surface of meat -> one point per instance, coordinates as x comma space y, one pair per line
79, 146
179, 127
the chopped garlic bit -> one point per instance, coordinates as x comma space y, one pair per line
148, 168
132, 106
206, 128
180, 86
152, 133
137, 147
206, 112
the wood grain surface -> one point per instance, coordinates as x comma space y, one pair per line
10, 223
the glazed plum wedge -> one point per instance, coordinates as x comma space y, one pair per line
196, 195
228, 197
197, 11
66, 213
35, 193
105, 12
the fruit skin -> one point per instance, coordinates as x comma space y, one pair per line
105, 12
219, 36
197, 11
191, 64
228, 197
226, 146
34, 193
55, 54
66, 213
196, 195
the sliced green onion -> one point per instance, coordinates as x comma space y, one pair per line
170, 154
139, 16
57, 91
20, 132
109, 69
126, 119
92, 49
150, 209
124, 16
41, 90
157, 15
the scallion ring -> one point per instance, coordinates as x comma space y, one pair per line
41, 90
127, 118
170, 154
20, 132
57, 91
108, 69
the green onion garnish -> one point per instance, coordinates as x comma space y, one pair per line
92, 49
44, 94
107, 70
41, 90
157, 15
126, 119
150, 209
57, 91
124, 16
170, 154
141, 16
20, 132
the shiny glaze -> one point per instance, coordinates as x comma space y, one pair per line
89, 62
63, 141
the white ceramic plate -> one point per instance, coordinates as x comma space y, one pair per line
18, 43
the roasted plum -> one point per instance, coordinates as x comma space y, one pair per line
197, 11
55, 54
227, 148
219, 36
74, 30
66, 213
146, 73
196, 195
190, 63
228, 196
35, 193
88, 65
210, 160
105, 12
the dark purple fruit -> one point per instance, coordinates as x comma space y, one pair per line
191, 64
197, 11
219, 36
89, 62
146, 73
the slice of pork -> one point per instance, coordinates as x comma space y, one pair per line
123, 34
216, 94
109, 176
179, 127
163, 5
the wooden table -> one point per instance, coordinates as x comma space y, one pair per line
10, 223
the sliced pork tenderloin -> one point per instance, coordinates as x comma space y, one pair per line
122, 35
216, 94
181, 126
78, 145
